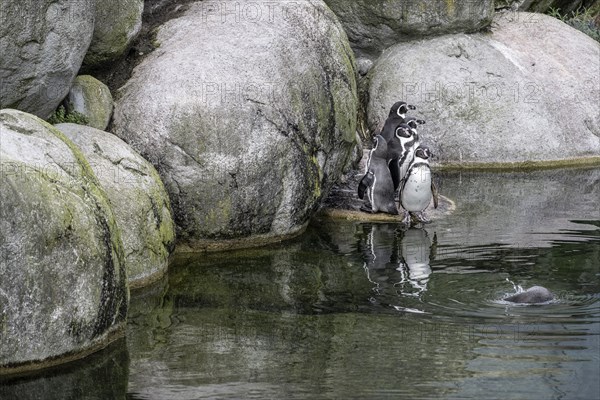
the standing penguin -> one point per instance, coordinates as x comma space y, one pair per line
401, 149
413, 123
418, 187
396, 116
377, 182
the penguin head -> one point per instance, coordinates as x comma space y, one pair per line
423, 153
413, 122
400, 108
380, 146
403, 131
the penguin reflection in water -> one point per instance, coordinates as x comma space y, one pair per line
397, 262
416, 252
379, 247
377, 182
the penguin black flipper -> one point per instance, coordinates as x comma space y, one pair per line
395, 172
435, 194
365, 183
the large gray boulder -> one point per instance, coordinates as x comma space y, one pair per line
118, 22
527, 92
92, 98
249, 121
138, 199
374, 25
42, 45
63, 285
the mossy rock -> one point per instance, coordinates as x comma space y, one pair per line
138, 199
249, 124
509, 98
118, 22
63, 285
374, 25
42, 46
92, 99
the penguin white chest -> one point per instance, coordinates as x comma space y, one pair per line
410, 155
416, 194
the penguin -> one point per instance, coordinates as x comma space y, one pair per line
401, 149
362, 185
377, 181
535, 294
396, 116
418, 187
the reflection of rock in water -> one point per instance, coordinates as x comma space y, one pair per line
103, 375
396, 261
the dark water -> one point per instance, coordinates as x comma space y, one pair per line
367, 310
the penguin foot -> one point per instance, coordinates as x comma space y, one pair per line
391, 209
421, 217
367, 209
406, 218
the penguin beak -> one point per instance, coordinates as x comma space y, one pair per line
411, 107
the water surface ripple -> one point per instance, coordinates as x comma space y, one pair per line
369, 310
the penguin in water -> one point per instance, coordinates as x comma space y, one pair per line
533, 295
377, 183
401, 150
418, 187
396, 116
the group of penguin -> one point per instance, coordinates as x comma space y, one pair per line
398, 164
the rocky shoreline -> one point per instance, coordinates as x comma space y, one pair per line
215, 126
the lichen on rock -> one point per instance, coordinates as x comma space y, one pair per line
138, 199
42, 43
61, 257
372, 26
92, 99
500, 98
117, 24
233, 116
